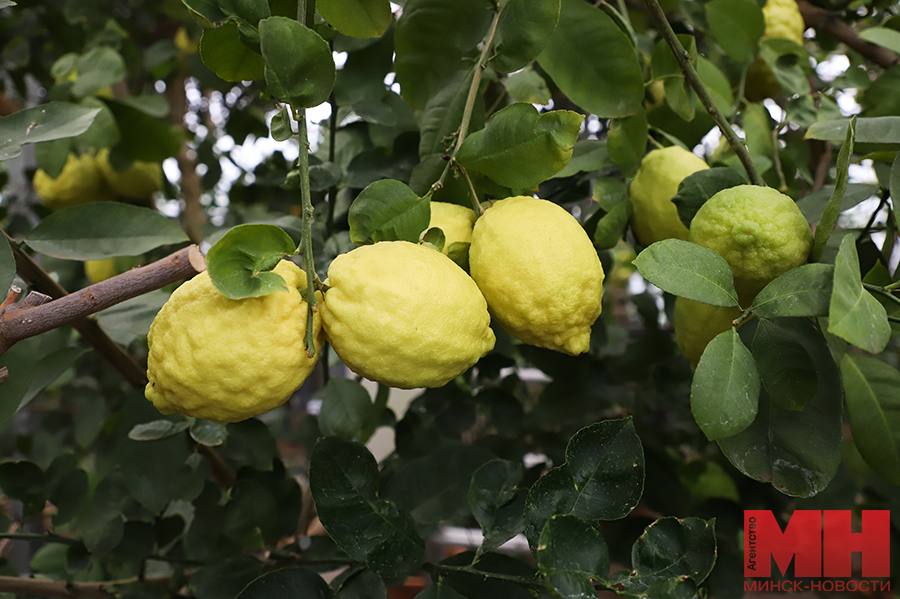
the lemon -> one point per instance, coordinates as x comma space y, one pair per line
100, 270
80, 182
696, 324
655, 216
454, 220
539, 272
404, 315
759, 231
783, 20
227, 360
138, 182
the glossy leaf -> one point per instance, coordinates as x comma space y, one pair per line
872, 389
491, 500
695, 189
287, 583
785, 367
882, 129
388, 210
688, 270
157, 429
801, 291
524, 29
593, 62
833, 208
725, 389
47, 122
570, 553
519, 147
239, 262
225, 54
854, 314
357, 18
346, 408
627, 141
673, 548
737, 25
103, 230
299, 69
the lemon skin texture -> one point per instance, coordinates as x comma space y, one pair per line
539, 272
655, 216
783, 20
759, 231
454, 220
80, 182
404, 315
696, 324
227, 360
140, 181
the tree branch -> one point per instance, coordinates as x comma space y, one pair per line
191, 188
67, 589
820, 20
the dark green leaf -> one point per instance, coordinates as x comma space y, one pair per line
695, 189
725, 389
346, 408
627, 141
362, 584
67, 486
142, 136
671, 548
103, 230
833, 208
208, 433
785, 367
801, 291
439, 590
612, 225
132, 318
225, 579
299, 68
25, 482
738, 25
287, 583
519, 147
492, 489
570, 553
524, 29
239, 261
54, 120
157, 429
883, 129
529, 86
357, 18
250, 11
444, 110
223, 52
434, 238
388, 210
587, 155
207, 11
48, 369
688, 270
593, 61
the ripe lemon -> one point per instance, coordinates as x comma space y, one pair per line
696, 324
759, 231
227, 360
454, 220
404, 315
138, 182
100, 270
655, 217
783, 20
539, 272
80, 182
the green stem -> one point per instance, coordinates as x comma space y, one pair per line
476, 205
438, 569
883, 292
690, 74
306, 243
893, 319
32, 536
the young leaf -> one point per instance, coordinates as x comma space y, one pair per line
492, 495
225, 55
737, 25
357, 18
673, 548
695, 189
54, 120
854, 315
593, 62
287, 583
688, 270
346, 408
299, 70
872, 389
103, 230
519, 147
280, 126
524, 29
627, 141
833, 208
239, 261
785, 366
725, 389
801, 291
388, 210
570, 553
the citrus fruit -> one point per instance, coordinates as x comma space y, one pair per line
539, 272
783, 20
80, 182
696, 324
100, 270
454, 220
759, 231
655, 217
138, 182
227, 360
404, 315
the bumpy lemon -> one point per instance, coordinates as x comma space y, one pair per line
138, 182
655, 216
454, 220
783, 20
696, 324
539, 272
760, 232
404, 315
80, 182
227, 360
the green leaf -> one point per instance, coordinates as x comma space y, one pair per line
357, 18
785, 367
223, 52
854, 315
570, 553
872, 389
593, 62
882, 129
725, 389
678, 94
696, 188
434, 238
211, 434
7, 263
47, 122
528, 86
98, 68
492, 495
280, 125
833, 208
287, 583
25, 482
738, 26
103, 230
206, 12
812, 205
239, 261
673, 548
225, 579
627, 141
343, 480
31, 369
588, 155
439, 590
785, 58
249, 11
388, 210
612, 225
895, 185
362, 585
801, 291
299, 67
132, 318
524, 29
346, 408
882, 36
519, 147
688, 270
142, 135
444, 110
157, 429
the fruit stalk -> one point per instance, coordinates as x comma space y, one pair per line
690, 74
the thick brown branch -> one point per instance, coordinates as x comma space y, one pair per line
822, 22
63, 588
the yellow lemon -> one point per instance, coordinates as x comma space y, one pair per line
783, 20
696, 324
227, 360
539, 272
100, 270
138, 182
454, 220
80, 182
